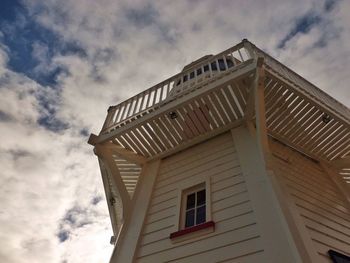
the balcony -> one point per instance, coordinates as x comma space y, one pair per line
215, 94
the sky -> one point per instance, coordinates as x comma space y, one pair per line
63, 63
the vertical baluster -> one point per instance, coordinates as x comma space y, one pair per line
129, 110
142, 101
123, 117
155, 96
240, 55
161, 93
121, 112
225, 62
148, 98
136, 105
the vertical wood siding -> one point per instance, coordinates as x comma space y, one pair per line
321, 205
236, 237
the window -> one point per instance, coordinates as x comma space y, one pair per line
195, 212
192, 75
338, 257
194, 216
221, 65
213, 66
229, 62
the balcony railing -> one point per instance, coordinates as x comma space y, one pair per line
178, 85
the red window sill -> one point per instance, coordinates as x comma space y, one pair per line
192, 229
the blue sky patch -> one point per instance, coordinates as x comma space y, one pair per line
302, 25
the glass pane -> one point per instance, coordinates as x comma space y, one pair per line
213, 66
222, 65
201, 197
200, 215
191, 75
206, 68
199, 71
189, 221
229, 63
185, 78
190, 201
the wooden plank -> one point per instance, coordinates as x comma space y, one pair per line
219, 107
149, 139
188, 171
202, 117
205, 110
195, 119
300, 110
275, 94
231, 205
343, 141
213, 111
271, 88
299, 181
140, 145
233, 230
323, 218
188, 122
325, 239
327, 130
284, 112
140, 133
277, 110
324, 229
318, 200
216, 145
288, 116
304, 115
134, 144
313, 129
174, 135
340, 132
321, 211
158, 128
225, 105
154, 137
242, 103
230, 95
303, 128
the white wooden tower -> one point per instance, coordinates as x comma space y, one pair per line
235, 159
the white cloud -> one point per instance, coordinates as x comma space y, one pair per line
123, 48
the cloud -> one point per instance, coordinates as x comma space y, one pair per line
82, 56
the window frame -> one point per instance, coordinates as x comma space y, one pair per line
186, 187
185, 193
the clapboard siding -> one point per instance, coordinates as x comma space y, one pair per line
323, 209
236, 237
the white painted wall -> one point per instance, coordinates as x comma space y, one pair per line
324, 211
236, 237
